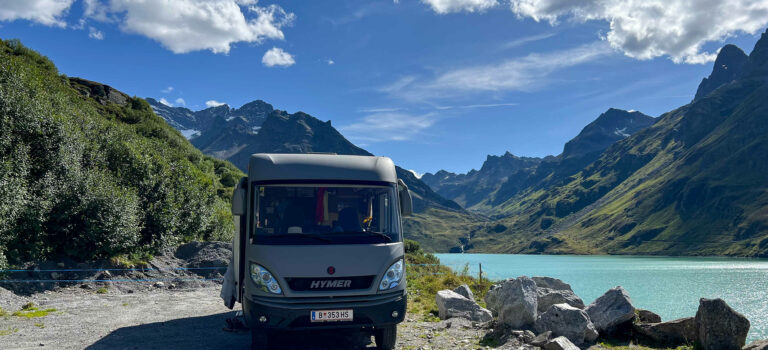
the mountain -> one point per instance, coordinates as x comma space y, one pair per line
477, 185
729, 65
88, 172
191, 124
693, 183
501, 178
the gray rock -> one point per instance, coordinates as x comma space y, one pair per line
457, 323
757, 345
542, 339
528, 336
611, 310
514, 301
560, 343
551, 291
718, 326
159, 285
451, 304
465, 291
645, 316
670, 333
567, 321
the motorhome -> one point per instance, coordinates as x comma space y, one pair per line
319, 245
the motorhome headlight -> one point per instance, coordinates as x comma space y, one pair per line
264, 279
393, 276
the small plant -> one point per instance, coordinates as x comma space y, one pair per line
8, 331
29, 310
101, 290
39, 325
3, 312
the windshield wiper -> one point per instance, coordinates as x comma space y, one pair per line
304, 235
371, 233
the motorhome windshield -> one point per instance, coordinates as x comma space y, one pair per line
325, 214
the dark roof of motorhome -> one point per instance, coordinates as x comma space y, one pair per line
273, 166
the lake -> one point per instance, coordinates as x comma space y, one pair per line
668, 286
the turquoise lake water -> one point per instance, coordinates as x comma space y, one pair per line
669, 286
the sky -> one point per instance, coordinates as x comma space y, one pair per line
433, 84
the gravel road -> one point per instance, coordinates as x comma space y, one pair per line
180, 319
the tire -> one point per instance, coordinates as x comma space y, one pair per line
260, 339
386, 337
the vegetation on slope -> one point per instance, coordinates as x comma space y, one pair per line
91, 173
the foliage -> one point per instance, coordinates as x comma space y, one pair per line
91, 173
426, 276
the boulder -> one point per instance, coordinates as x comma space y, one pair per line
514, 301
645, 316
560, 343
542, 339
567, 321
611, 310
668, 334
718, 326
465, 291
757, 345
551, 291
451, 304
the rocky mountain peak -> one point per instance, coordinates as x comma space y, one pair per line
611, 126
729, 65
758, 58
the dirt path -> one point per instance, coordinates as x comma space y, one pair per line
180, 319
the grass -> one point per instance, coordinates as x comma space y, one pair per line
39, 325
131, 260
3, 312
8, 331
425, 277
612, 346
29, 310
101, 290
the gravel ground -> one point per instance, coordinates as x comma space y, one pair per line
181, 319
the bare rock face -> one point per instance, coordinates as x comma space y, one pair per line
451, 304
465, 291
560, 343
612, 309
551, 291
645, 316
670, 333
567, 321
515, 301
718, 326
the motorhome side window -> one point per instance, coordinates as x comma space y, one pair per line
325, 214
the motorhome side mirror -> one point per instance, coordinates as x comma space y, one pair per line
238, 199
406, 202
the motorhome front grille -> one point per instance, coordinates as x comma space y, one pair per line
301, 284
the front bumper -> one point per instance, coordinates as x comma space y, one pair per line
293, 313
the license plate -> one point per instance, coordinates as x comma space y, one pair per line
331, 315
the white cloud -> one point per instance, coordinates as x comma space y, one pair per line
47, 12
165, 102
388, 126
277, 57
214, 103
525, 73
644, 29
191, 25
167, 90
527, 39
449, 6
416, 173
94, 33
330, 62
488, 105
180, 101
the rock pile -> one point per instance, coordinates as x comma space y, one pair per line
560, 320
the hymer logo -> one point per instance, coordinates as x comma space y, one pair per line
330, 284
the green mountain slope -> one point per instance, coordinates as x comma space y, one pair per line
89, 172
693, 183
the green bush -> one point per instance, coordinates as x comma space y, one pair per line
95, 180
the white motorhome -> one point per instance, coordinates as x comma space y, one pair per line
319, 245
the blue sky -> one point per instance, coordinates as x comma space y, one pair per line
434, 84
